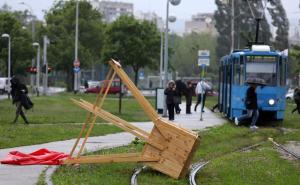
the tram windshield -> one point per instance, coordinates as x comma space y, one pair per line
263, 67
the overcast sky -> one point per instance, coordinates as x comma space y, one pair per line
184, 11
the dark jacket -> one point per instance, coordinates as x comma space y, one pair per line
170, 95
189, 94
17, 89
297, 96
251, 98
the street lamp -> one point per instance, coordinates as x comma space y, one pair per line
35, 44
32, 35
161, 70
76, 83
5, 35
166, 54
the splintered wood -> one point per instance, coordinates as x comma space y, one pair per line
168, 149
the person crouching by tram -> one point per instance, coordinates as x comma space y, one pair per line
251, 106
296, 97
171, 93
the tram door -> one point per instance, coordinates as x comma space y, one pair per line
229, 86
224, 88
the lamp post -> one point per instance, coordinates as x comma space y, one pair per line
232, 26
32, 35
5, 35
46, 41
35, 44
76, 48
166, 54
161, 59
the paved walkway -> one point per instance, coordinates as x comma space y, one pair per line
28, 175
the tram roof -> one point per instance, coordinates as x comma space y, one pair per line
238, 53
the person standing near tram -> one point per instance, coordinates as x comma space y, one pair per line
200, 91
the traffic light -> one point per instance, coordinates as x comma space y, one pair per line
31, 70
44, 69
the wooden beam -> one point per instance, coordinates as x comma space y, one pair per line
112, 158
89, 116
120, 123
134, 90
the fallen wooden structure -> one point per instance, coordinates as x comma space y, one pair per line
168, 149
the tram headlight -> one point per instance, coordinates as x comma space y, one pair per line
271, 101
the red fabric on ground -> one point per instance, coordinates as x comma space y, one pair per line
41, 156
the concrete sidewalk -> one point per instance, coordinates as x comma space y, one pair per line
28, 175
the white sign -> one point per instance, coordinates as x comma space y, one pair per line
203, 57
160, 99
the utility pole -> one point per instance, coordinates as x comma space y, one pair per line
37, 68
161, 59
76, 49
232, 26
45, 65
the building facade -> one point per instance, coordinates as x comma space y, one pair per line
150, 16
201, 23
111, 10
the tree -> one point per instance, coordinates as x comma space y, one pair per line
245, 25
295, 62
281, 23
135, 43
61, 31
21, 44
184, 60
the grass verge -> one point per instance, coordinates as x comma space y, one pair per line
55, 118
220, 145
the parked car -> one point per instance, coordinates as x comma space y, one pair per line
114, 88
4, 85
290, 94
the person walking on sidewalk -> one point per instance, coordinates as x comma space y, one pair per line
251, 106
200, 91
170, 92
19, 97
188, 97
297, 100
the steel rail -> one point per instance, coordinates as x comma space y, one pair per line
137, 171
194, 169
284, 149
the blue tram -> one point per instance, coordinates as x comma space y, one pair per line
258, 62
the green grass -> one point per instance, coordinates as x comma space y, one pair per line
22, 135
60, 109
56, 118
220, 145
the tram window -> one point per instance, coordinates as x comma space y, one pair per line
237, 71
242, 69
263, 67
228, 74
263, 70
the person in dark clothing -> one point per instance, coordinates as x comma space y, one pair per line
188, 97
17, 91
180, 90
296, 97
215, 107
251, 106
170, 92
